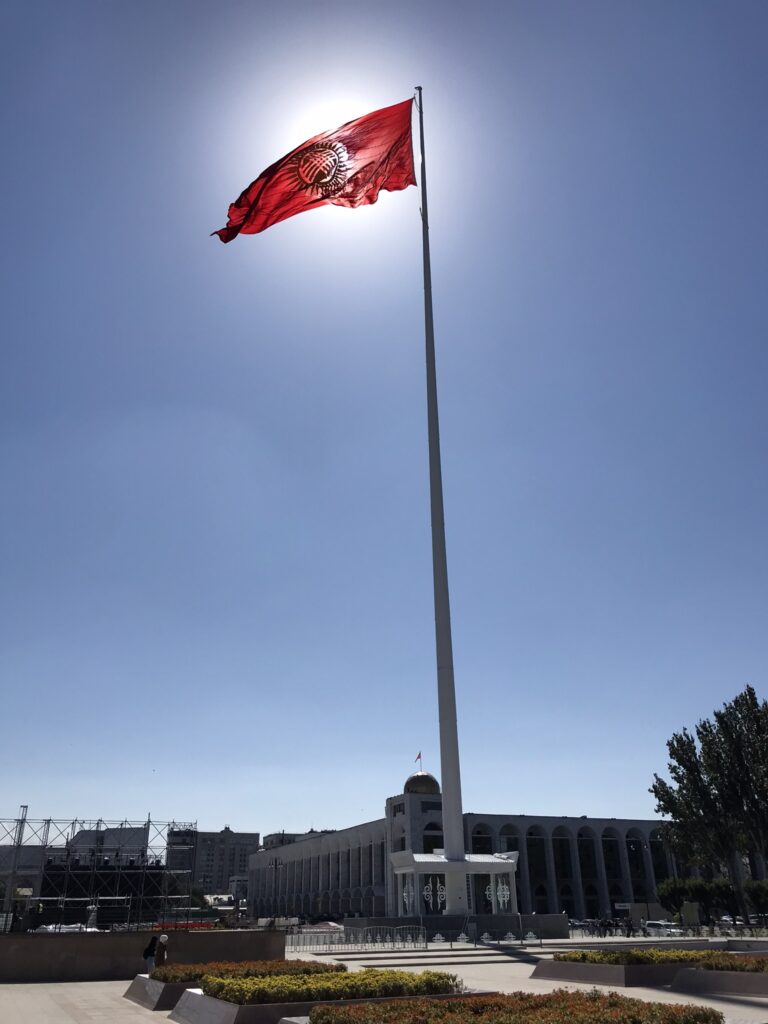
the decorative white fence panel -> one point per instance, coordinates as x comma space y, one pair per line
350, 939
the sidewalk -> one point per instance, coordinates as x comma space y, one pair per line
82, 1002
101, 1002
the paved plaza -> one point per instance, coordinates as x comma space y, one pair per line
102, 1002
82, 1002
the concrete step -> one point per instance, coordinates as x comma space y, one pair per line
456, 962
444, 957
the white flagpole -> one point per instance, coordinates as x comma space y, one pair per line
453, 825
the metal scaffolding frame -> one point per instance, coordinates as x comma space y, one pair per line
80, 872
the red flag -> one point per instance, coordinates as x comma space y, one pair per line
347, 167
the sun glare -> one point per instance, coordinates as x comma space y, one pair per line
306, 117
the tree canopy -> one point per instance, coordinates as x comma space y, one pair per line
717, 799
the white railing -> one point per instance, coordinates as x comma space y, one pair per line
363, 939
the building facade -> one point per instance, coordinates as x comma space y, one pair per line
211, 857
582, 866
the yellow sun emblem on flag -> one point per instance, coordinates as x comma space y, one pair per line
322, 168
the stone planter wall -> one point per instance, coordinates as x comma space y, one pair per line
156, 995
647, 975
116, 956
699, 982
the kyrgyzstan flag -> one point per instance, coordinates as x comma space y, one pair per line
347, 167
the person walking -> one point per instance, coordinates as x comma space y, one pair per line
161, 953
150, 954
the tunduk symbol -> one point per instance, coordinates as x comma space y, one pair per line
322, 168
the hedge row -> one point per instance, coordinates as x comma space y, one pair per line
709, 960
735, 962
367, 984
627, 957
519, 1008
242, 969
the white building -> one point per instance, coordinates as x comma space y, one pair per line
582, 866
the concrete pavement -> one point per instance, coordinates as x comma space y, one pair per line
101, 1002
80, 1002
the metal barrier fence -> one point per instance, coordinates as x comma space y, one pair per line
363, 939
402, 937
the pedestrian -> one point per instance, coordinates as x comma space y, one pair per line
150, 954
161, 953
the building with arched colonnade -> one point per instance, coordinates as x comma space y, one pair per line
583, 867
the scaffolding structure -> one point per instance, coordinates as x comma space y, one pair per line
84, 873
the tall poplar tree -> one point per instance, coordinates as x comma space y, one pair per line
717, 799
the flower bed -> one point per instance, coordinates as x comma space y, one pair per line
575, 1007
297, 988
194, 973
166, 985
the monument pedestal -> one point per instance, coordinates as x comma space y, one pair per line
431, 882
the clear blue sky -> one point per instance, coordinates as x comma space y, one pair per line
215, 577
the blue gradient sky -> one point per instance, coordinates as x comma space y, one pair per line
215, 577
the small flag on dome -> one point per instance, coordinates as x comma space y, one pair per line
418, 757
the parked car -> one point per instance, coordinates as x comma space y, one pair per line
662, 929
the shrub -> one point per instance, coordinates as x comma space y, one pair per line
368, 984
242, 969
735, 962
519, 1008
709, 960
627, 957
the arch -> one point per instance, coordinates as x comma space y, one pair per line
561, 849
636, 850
482, 838
538, 878
540, 900
567, 902
346, 901
535, 841
611, 842
591, 902
586, 841
369, 902
356, 901
659, 858
509, 838
367, 871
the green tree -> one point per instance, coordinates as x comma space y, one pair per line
757, 894
714, 897
717, 799
673, 892
734, 751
